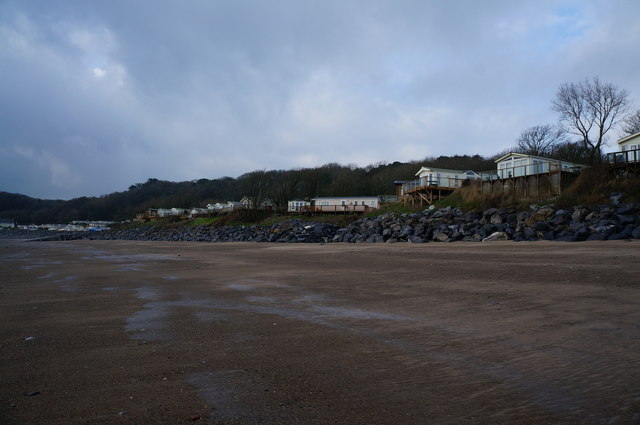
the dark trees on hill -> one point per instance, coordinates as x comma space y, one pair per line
278, 185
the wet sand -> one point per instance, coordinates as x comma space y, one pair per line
98, 332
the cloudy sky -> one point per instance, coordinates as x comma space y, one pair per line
98, 95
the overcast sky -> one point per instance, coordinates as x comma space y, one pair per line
98, 95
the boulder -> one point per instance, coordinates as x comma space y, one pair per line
496, 236
440, 236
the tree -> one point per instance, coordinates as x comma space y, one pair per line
589, 109
572, 152
255, 186
632, 123
539, 140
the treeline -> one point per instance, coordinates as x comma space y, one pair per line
277, 185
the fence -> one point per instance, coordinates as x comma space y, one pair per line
336, 209
624, 157
434, 182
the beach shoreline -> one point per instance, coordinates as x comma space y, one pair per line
106, 332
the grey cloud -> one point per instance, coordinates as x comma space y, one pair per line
100, 95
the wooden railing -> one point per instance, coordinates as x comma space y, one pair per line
433, 183
336, 208
624, 157
530, 170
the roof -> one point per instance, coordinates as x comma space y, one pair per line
523, 156
445, 170
346, 197
631, 136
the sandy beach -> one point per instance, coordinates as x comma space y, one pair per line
118, 332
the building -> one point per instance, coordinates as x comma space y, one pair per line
519, 165
629, 143
196, 212
266, 204
234, 206
441, 177
218, 207
297, 205
433, 184
528, 176
628, 150
345, 204
7, 224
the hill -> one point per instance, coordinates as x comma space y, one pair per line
279, 185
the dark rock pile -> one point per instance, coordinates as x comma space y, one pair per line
579, 223
295, 231
613, 221
40, 234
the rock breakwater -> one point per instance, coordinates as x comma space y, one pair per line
540, 222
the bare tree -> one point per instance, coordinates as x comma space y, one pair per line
589, 109
539, 140
632, 123
255, 186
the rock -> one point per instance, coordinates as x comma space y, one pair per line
496, 236
489, 212
530, 234
559, 219
472, 216
540, 226
540, 215
375, 239
615, 198
582, 234
440, 236
496, 218
619, 236
625, 219
626, 209
407, 230
579, 213
415, 239
523, 216
568, 238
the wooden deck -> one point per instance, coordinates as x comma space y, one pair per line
427, 194
624, 163
550, 183
335, 209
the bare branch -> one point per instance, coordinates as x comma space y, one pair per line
632, 123
589, 109
539, 140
